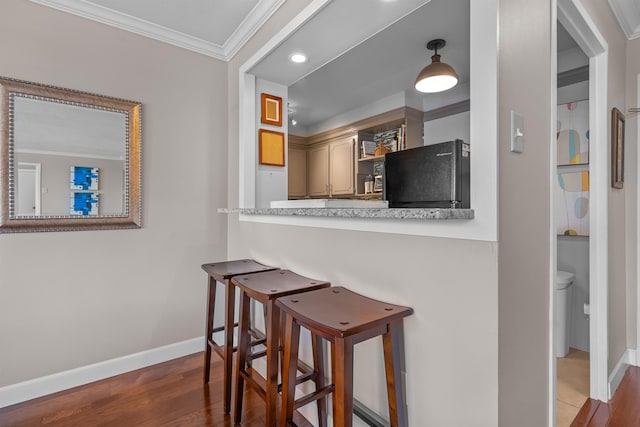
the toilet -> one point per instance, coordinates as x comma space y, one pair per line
564, 280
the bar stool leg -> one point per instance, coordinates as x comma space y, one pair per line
343, 381
319, 365
289, 372
211, 298
243, 348
229, 321
392, 364
273, 352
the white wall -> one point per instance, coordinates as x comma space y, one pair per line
456, 126
380, 106
70, 299
271, 181
569, 59
575, 92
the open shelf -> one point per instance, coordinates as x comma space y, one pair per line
371, 158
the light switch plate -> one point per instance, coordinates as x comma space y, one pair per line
517, 132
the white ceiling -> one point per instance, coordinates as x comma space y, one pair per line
47, 127
330, 81
628, 14
217, 28
334, 30
383, 62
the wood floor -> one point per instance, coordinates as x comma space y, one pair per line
172, 394
621, 411
168, 394
572, 386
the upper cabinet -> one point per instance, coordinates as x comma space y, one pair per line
331, 168
335, 162
318, 167
341, 166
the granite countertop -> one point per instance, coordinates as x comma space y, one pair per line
385, 213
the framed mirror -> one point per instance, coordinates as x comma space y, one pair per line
69, 160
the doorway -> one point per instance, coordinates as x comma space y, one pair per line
572, 16
571, 197
28, 189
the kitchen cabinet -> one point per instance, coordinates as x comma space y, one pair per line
331, 168
318, 158
334, 162
341, 167
297, 172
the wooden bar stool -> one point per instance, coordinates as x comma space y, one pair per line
344, 318
222, 272
266, 288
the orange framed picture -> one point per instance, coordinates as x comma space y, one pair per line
271, 110
271, 148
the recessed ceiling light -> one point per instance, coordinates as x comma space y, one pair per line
298, 58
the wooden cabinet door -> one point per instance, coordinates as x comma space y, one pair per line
318, 165
341, 161
297, 172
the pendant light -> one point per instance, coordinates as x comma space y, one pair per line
437, 76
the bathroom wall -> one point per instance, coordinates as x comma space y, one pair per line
573, 256
573, 251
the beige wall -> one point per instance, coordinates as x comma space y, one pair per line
524, 230
74, 298
139, 289
55, 179
451, 340
617, 298
631, 189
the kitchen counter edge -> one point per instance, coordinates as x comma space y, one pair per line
385, 213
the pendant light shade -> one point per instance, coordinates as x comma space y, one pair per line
437, 76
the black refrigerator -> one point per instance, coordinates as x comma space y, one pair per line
432, 176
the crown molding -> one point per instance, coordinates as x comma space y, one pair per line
249, 26
627, 13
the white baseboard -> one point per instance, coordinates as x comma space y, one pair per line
627, 359
37, 387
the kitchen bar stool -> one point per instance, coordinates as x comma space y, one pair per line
222, 272
266, 288
344, 318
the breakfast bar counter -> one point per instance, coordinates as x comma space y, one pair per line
384, 213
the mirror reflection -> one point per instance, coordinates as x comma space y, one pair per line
62, 140
70, 160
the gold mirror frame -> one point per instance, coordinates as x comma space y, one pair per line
131, 216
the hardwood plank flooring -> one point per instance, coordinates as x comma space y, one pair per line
621, 411
169, 394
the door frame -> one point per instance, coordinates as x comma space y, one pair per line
37, 169
576, 20
636, 360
